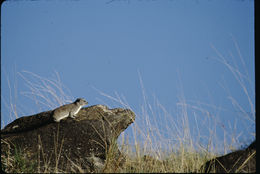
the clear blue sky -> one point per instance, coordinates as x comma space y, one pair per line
95, 44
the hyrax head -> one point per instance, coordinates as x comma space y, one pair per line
81, 101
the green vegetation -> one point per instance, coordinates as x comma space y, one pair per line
18, 163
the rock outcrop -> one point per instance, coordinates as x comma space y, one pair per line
72, 145
241, 161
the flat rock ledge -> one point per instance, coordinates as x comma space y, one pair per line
72, 145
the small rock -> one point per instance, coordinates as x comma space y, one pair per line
241, 161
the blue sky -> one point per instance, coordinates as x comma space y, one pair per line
110, 46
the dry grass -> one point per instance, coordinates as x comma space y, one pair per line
170, 143
158, 141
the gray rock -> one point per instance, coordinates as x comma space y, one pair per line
72, 145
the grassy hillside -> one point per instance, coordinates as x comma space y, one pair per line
158, 141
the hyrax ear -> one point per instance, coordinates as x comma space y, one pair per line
78, 99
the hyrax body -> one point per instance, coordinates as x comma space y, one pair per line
68, 110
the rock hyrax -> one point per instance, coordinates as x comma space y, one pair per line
68, 110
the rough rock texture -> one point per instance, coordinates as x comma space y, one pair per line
241, 161
73, 145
